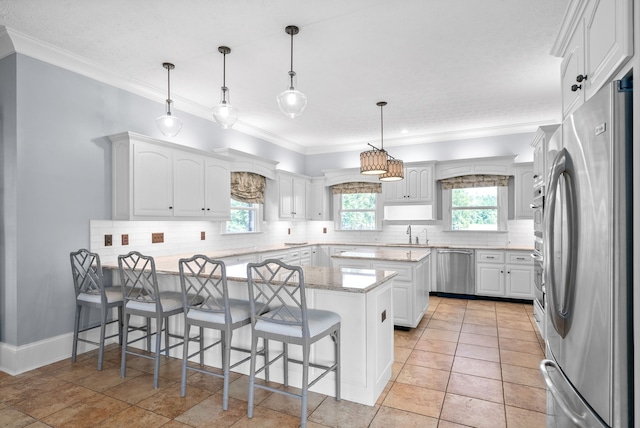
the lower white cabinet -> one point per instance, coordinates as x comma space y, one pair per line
504, 274
410, 286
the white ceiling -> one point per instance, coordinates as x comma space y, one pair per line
447, 68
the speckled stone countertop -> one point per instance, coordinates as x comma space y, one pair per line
315, 277
388, 254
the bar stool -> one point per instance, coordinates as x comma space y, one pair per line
289, 321
143, 298
91, 293
207, 305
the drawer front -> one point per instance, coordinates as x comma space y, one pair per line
520, 258
405, 272
489, 256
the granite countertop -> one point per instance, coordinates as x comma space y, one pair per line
315, 277
389, 254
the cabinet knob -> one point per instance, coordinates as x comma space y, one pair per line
535, 175
574, 88
501, 271
580, 78
208, 209
170, 208
202, 209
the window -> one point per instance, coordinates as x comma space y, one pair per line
474, 208
357, 211
244, 217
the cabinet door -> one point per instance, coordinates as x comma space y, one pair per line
524, 192
152, 180
490, 279
520, 282
402, 303
394, 191
285, 195
217, 190
299, 198
571, 67
188, 185
608, 41
419, 184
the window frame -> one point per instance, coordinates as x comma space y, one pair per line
257, 208
337, 214
502, 211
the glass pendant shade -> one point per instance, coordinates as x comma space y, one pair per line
373, 162
224, 113
395, 171
168, 124
292, 102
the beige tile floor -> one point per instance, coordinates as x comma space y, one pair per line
469, 363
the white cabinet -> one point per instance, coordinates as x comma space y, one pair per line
504, 274
155, 179
417, 186
540, 143
410, 287
151, 190
596, 40
288, 195
523, 180
318, 200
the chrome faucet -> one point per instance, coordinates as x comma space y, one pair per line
409, 233
426, 236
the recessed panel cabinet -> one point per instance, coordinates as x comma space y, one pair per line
286, 197
154, 179
504, 274
601, 41
416, 187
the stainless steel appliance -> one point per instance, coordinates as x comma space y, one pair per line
588, 267
456, 271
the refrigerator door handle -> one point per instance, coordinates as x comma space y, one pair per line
560, 311
579, 419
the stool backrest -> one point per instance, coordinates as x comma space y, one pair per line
279, 286
138, 278
87, 272
204, 285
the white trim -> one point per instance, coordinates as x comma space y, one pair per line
19, 359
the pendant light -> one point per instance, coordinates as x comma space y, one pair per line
224, 113
169, 124
291, 101
375, 161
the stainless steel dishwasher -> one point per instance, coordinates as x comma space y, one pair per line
456, 271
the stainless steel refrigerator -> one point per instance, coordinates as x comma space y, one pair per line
588, 267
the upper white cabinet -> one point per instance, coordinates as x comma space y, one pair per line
540, 143
155, 179
288, 195
318, 201
595, 40
523, 180
417, 186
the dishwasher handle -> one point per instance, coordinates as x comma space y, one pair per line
467, 252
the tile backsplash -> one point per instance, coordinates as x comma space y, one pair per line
184, 237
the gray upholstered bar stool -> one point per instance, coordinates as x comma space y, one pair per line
289, 321
91, 293
143, 298
207, 305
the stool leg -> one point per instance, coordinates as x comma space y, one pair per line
252, 373
103, 326
76, 329
125, 338
185, 355
156, 366
226, 362
305, 384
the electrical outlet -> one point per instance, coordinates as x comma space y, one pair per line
157, 238
125, 239
324, 230
384, 315
289, 231
108, 240
202, 236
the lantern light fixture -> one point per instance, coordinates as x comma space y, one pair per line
224, 113
291, 101
169, 124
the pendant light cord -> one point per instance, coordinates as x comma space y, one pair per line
291, 72
381, 130
224, 77
168, 90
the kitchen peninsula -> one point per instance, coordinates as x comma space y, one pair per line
362, 298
